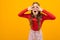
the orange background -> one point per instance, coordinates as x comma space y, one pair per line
13, 27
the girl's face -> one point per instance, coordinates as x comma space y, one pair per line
35, 9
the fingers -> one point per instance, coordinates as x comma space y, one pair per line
40, 9
30, 8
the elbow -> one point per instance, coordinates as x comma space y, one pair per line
19, 15
53, 18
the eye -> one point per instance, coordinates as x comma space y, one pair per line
36, 7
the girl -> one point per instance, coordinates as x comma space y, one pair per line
36, 19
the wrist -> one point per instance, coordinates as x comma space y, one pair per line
40, 9
29, 8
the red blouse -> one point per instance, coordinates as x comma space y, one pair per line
47, 16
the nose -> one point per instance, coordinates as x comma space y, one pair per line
35, 7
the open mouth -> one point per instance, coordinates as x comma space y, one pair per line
35, 11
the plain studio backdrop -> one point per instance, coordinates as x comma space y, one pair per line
13, 27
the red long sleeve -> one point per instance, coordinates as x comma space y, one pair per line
48, 15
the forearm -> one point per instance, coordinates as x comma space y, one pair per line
22, 12
48, 14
